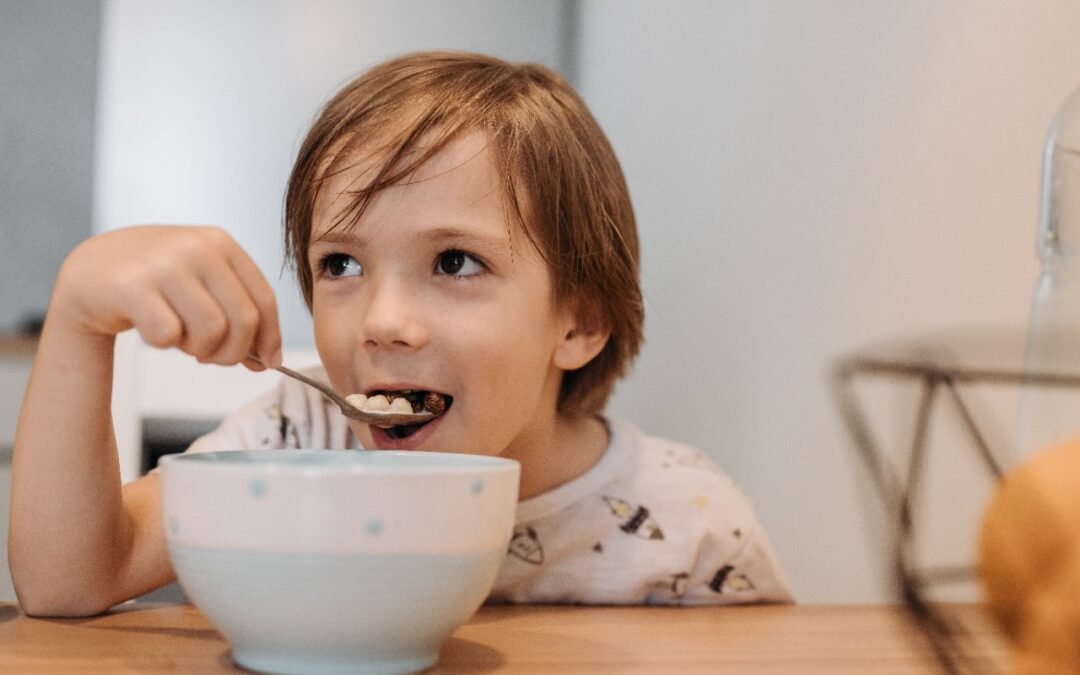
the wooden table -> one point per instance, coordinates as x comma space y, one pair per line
762, 639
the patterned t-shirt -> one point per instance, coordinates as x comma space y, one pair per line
652, 522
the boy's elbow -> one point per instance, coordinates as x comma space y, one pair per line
46, 595
46, 602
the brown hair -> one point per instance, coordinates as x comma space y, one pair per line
562, 181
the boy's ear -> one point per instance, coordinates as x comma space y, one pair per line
582, 339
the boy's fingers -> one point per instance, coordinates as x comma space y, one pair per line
157, 322
204, 322
254, 365
242, 319
267, 344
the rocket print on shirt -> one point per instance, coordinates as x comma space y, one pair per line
287, 435
726, 580
526, 546
669, 591
636, 521
676, 584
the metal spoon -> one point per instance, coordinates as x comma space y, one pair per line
379, 419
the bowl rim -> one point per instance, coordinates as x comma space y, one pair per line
416, 462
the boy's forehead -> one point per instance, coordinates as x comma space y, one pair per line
461, 173
368, 158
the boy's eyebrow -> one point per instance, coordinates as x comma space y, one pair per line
451, 233
335, 236
441, 233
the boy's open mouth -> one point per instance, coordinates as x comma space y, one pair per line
421, 401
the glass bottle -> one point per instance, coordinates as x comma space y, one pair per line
1050, 414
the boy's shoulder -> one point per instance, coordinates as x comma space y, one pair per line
676, 478
655, 452
653, 462
654, 520
641, 473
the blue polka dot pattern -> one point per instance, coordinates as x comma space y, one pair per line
174, 525
478, 486
257, 488
374, 527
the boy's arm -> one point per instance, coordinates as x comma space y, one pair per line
78, 543
72, 548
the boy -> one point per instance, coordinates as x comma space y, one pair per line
460, 228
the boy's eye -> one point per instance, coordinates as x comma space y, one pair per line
457, 263
341, 265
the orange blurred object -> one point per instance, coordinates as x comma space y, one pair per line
1029, 561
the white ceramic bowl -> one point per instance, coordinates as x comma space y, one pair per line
327, 561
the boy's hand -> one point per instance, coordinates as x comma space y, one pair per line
192, 288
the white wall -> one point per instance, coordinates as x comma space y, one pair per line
810, 177
203, 103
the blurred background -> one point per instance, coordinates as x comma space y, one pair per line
809, 178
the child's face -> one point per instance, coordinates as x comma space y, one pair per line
435, 289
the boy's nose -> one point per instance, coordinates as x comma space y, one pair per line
392, 318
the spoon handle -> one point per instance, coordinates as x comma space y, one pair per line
326, 391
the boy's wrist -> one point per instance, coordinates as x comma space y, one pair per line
71, 310
65, 329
